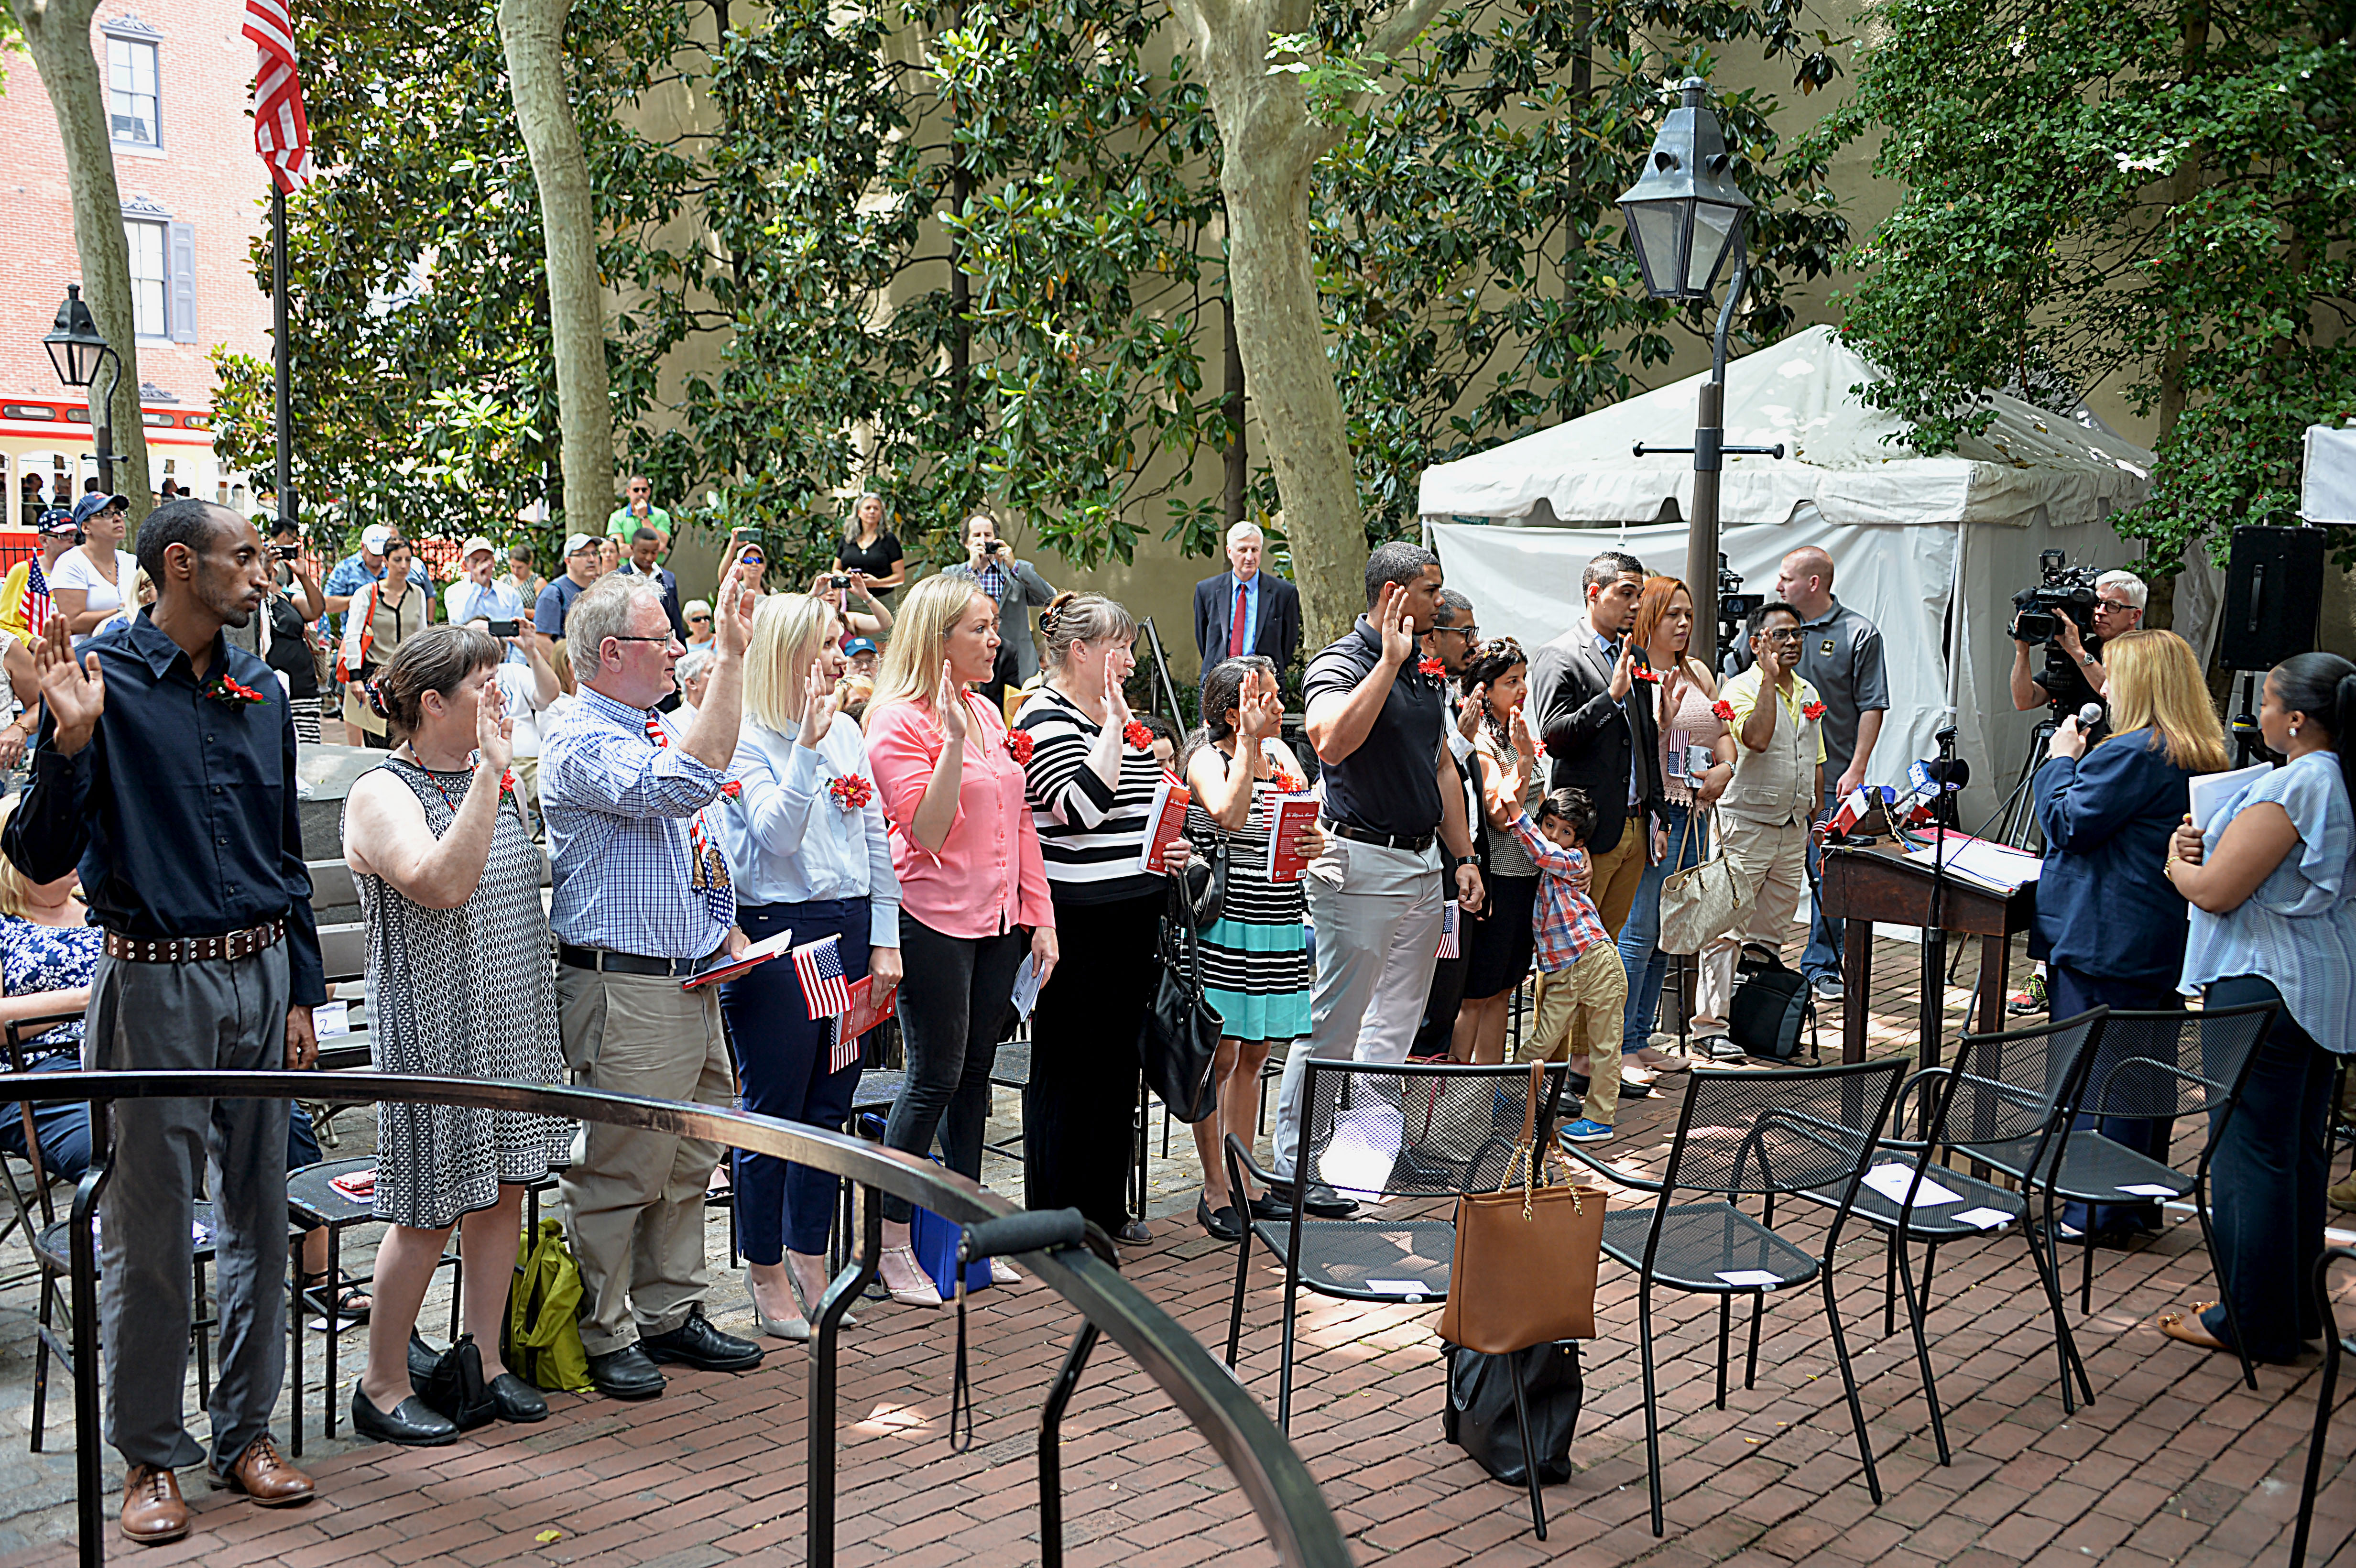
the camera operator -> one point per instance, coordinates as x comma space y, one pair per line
2119, 599
1016, 587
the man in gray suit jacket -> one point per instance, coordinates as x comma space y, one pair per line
1016, 586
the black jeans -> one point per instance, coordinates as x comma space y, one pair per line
2071, 992
953, 999
2267, 1183
1079, 1107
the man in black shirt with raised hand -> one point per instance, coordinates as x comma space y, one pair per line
1393, 804
166, 770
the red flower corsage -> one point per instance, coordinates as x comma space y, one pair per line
850, 791
732, 789
1724, 709
1428, 666
508, 785
222, 688
1646, 673
1138, 736
1019, 746
1813, 710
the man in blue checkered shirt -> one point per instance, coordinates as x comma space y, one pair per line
642, 899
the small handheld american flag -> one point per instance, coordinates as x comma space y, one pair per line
819, 964
37, 599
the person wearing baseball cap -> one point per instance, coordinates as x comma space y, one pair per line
360, 569
24, 594
556, 599
863, 654
483, 593
97, 581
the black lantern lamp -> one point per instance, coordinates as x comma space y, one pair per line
78, 351
1686, 215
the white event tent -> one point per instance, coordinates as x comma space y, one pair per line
1929, 548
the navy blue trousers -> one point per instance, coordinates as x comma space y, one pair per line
781, 1065
2069, 992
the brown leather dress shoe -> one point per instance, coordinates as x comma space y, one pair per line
153, 1511
263, 1474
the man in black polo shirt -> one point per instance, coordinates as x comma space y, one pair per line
1393, 804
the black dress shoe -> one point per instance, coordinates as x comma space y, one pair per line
696, 1343
1635, 1091
408, 1423
1267, 1206
517, 1400
1322, 1201
1221, 1223
626, 1373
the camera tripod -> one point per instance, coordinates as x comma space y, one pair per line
2019, 810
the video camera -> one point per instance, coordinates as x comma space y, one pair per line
2062, 591
1734, 606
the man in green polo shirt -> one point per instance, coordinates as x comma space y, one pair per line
640, 512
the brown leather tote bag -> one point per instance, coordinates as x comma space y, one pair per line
1525, 1255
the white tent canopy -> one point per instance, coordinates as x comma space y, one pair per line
1929, 548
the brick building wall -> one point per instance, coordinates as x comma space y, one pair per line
197, 182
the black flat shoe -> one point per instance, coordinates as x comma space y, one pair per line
626, 1373
696, 1343
517, 1400
1221, 1223
408, 1423
1269, 1207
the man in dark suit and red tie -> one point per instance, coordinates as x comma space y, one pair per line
1245, 610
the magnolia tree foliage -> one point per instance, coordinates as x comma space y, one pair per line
2142, 194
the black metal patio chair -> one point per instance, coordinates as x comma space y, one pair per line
1748, 1134
1381, 1131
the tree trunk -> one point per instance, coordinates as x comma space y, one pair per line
1268, 145
57, 33
532, 34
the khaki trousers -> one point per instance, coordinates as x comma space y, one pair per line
1614, 874
1775, 861
1580, 1013
633, 1204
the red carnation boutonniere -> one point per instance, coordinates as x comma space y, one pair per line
851, 792
1019, 746
223, 689
1646, 674
508, 785
1138, 736
1813, 710
1724, 709
732, 789
1432, 668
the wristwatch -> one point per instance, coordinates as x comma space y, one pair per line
1468, 859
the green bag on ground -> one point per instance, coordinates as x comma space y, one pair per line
541, 1343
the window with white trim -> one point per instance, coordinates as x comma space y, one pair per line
134, 97
151, 276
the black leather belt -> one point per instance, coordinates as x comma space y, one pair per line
1413, 843
614, 963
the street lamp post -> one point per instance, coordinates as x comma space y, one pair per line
78, 351
1686, 215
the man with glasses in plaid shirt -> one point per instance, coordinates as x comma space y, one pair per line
642, 901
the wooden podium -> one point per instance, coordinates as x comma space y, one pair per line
1863, 885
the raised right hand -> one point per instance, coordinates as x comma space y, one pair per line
948, 705
1624, 671
494, 730
817, 712
1390, 620
1262, 715
76, 693
1471, 710
732, 618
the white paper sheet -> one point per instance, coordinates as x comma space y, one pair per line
2149, 1190
2209, 792
331, 1018
1891, 1182
1748, 1276
1026, 986
1997, 867
1399, 1286
1984, 1218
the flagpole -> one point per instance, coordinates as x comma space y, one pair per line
283, 353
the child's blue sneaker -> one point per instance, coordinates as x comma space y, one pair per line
1585, 1131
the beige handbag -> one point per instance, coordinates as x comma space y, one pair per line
1701, 903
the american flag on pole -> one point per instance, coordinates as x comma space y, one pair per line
37, 599
820, 966
280, 133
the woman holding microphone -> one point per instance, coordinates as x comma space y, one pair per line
2273, 887
973, 893
2108, 926
808, 853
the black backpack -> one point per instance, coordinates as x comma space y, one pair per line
1769, 1005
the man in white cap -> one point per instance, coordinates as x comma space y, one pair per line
556, 599
482, 594
360, 569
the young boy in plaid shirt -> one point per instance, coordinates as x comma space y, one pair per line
1585, 992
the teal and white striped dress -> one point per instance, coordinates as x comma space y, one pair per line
1256, 955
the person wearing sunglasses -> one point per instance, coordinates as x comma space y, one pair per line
1762, 817
699, 623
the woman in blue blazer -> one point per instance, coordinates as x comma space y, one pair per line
2109, 925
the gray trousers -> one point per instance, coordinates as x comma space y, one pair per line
224, 1015
1378, 915
633, 1202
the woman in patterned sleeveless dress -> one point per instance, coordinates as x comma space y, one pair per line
457, 961
1255, 955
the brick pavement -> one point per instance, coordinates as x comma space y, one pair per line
2174, 1463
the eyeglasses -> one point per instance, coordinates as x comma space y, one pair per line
1782, 634
699, 618
619, 637
2120, 605
1470, 633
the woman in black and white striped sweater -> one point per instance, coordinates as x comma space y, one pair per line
1091, 777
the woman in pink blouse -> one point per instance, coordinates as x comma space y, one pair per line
973, 892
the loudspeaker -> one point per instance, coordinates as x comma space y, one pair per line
2273, 597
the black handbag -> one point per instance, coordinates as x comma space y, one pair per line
1769, 1005
452, 1384
1479, 1414
1178, 1043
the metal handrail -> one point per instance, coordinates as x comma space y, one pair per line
1290, 1509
